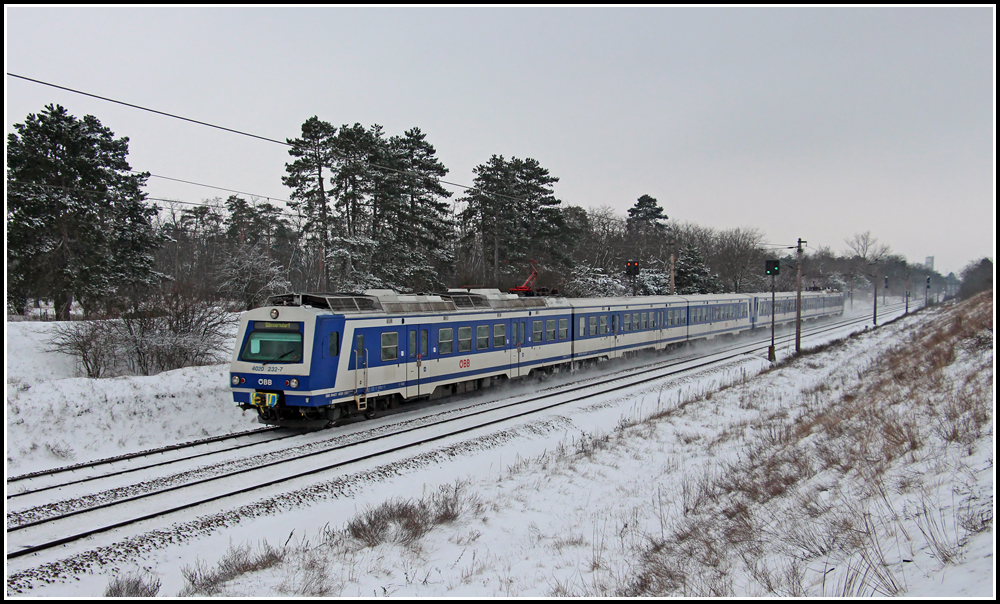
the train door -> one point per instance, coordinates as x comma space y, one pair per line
503, 339
418, 346
360, 367
615, 328
412, 361
519, 347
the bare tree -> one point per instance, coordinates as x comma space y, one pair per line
603, 246
866, 247
738, 257
250, 276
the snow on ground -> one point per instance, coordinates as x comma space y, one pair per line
724, 483
55, 418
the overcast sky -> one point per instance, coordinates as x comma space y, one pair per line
813, 122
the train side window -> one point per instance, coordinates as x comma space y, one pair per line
627, 322
334, 343
482, 337
445, 337
563, 329
550, 330
536, 332
359, 348
604, 324
390, 346
423, 343
413, 343
583, 327
635, 320
499, 335
593, 326
520, 337
464, 339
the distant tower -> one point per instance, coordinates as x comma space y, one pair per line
929, 263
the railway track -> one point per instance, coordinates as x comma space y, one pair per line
39, 523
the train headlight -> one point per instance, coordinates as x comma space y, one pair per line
294, 383
236, 380
274, 313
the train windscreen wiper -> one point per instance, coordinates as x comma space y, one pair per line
278, 358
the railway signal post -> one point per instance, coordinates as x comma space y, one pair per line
798, 298
772, 267
632, 270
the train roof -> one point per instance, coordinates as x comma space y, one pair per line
389, 301
458, 300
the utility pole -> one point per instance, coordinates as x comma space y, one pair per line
798, 298
909, 284
672, 241
875, 296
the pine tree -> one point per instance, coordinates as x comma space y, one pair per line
645, 216
307, 179
77, 222
646, 230
426, 228
511, 216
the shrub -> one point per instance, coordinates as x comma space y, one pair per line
173, 333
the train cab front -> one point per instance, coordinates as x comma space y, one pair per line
270, 367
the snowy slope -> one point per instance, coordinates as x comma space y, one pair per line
727, 483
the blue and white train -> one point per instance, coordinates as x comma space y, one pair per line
308, 360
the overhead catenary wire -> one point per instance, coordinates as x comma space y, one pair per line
160, 199
257, 136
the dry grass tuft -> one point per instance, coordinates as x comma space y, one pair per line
133, 585
238, 560
405, 521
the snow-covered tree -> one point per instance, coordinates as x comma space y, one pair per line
586, 281
692, 275
77, 222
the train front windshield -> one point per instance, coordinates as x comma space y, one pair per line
273, 346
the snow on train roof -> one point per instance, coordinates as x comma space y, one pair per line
458, 300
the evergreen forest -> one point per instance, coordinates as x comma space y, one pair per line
370, 209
